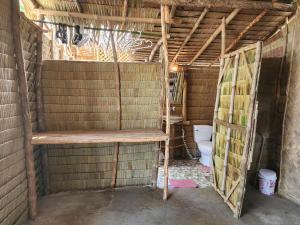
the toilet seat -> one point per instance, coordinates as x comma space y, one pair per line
205, 147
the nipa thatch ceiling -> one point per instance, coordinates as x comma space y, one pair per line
267, 25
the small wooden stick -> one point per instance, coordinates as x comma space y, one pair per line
119, 119
23, 92
223, 37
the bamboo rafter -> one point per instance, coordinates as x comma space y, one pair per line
214, 35
188, 37
242, 4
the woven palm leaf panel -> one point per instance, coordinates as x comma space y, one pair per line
234, 123
82, 96
13, 182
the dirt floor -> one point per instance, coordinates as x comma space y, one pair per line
143, 206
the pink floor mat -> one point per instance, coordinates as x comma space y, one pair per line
183, 183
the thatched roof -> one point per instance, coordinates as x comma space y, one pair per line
255, 20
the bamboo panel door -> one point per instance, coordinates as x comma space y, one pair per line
235, 123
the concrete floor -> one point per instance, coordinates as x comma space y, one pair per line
143, 206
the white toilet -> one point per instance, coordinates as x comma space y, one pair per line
202, 136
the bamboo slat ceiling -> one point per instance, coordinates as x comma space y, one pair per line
252, 22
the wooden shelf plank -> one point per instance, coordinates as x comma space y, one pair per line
87, 137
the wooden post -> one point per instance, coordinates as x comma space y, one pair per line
223, 37
40, 109
167, 87
228, 136
23, 91
184, 101
119, 125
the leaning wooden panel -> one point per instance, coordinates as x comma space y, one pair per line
234, 123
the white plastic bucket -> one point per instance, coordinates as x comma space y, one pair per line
267, 181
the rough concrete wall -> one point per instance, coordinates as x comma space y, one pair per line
201, 94
82, 96
272, 99
290, 157
13, 182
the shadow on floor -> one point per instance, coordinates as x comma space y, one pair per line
144, 206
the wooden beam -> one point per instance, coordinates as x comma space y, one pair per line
155, 48
214, 35
242, 4
25, 109
124, 13
78, 6
196, 25
241, 35
118, 94
102, 18
167, 90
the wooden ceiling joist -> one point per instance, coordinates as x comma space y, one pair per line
102, 18
241, 4
188, 37
214, 35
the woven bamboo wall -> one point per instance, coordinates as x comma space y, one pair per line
82, 95
13, 183
201, 94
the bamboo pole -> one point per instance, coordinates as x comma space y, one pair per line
243, 4
242, 34
119, 125
167, 87
155, 48
97, 17
214, 35
228, 137
223, 37
23, 92
184, 101
188, 37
